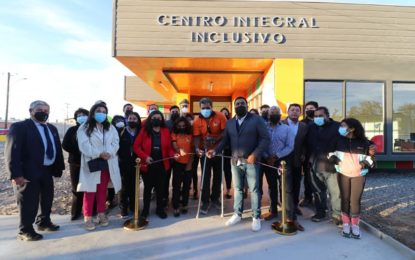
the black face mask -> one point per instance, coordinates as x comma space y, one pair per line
265, 115
132, 124
174, 116
241, 111
181, 130
41, 116
274, 119
155, 122
310, 113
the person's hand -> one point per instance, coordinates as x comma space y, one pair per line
176, 156
251, 159
20, 181
105, 156
182, 152
149, 160
199, 152
210, 154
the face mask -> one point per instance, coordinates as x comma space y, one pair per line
155, 122
343, 131
319, 121
206, 113
120, 124
41, 116
174, 116
181, 130
151, 111
100, 117
310, 113
132, 124
264, 115
274, 119
240, 111
81, 119
184, 110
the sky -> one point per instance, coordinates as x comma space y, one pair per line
60, 52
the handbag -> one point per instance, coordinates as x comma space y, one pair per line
98, 164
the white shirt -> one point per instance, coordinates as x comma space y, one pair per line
46, 160
241, 120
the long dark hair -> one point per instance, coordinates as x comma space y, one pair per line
187, 125
359, 131
139, 119
148, 127
92, 123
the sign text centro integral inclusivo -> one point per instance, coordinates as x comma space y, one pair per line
237, 22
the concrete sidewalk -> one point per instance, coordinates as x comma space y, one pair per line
188, 238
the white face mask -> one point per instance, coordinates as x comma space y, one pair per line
120, 124
184, 110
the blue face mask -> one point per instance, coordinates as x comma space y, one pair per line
100, 117
206, 113
343, 131
81, 119
319, 121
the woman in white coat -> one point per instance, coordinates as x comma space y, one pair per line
98, 142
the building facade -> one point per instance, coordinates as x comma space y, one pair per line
355, 59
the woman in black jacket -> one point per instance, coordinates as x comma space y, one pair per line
70, 144
127, 163
353, 158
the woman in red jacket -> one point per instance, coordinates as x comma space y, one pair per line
152, 145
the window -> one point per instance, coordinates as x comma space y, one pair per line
403, 117
328, 94
365, 102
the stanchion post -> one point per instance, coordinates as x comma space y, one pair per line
221, 186
284, 227
136, 223
201, 185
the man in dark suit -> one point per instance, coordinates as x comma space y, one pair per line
299, 129
33, 156
248, 138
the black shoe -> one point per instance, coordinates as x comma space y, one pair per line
49, 227
176, 213
75, 217
217, 204
162, 214
205, 208
318, 217
184, 210
29, 236
298, 212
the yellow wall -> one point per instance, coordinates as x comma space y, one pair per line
181, 96
289, 82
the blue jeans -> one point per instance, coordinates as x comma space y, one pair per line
251, 173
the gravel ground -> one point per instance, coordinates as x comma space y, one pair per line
388, 202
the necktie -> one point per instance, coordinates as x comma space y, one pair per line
49, 148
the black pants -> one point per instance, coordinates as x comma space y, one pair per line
195, 178
166, 185
155, 178
296, 175
351, 190
28, 198
227, 169
110, 195
308, 188
77, 197
215, 165
127, 194
181, 185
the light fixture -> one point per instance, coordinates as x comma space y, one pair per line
163, 86
210, 86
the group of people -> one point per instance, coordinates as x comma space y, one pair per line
103, 152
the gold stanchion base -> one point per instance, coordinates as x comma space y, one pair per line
287, 229
135, 224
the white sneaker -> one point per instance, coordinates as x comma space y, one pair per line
233, 220
256, 224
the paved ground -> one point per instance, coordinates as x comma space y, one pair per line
188, 238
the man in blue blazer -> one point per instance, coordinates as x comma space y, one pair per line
33, 156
